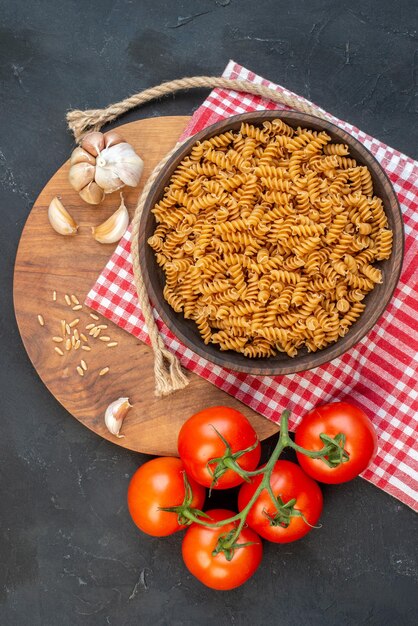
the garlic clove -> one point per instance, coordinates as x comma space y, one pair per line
93, 143
79, 155
113, 228
80, 175
130, 173
115, 414
117, 166
111, 138
129, 165
92, 193
59, 218
106, 178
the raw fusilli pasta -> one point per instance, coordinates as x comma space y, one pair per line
267, 237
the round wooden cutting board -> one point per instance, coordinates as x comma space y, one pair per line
48, 262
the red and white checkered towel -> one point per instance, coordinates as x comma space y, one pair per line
379, 374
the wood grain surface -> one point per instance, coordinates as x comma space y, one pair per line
376, 301
47, 261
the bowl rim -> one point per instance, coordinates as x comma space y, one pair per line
332, 351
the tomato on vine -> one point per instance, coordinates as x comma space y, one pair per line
279, 502
339, 422
211, 560
159, 484
287, 509
216, 445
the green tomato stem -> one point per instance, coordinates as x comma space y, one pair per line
332, 453
230, 542
223, 522
313, 454
264, 484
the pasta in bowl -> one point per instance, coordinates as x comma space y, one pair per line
271, 242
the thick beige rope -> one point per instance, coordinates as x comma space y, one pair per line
169, 376
81, 122
167, 370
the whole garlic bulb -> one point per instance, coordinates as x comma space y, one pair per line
103, 163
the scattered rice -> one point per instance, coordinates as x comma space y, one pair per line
72, 337
41, 320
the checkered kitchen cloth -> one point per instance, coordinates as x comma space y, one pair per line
379, 374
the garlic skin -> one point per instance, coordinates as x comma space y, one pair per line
81, 174
92, 193
93, 142
115, 414
111, 138
105, 160
59, 218
79, 156
117, 166
114, 227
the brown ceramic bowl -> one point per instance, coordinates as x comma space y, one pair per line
376, 301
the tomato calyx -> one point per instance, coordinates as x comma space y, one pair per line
228, 461
333, 452
227, 544
336, 454
284, 512
186, 514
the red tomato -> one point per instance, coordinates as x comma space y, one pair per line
288, 482
216, 571
331, 419
199, 442
160, 483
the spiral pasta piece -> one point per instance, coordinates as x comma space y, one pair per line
255, 132
340, 149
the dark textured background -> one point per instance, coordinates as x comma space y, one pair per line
69, 553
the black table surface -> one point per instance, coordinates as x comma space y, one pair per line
69, 553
